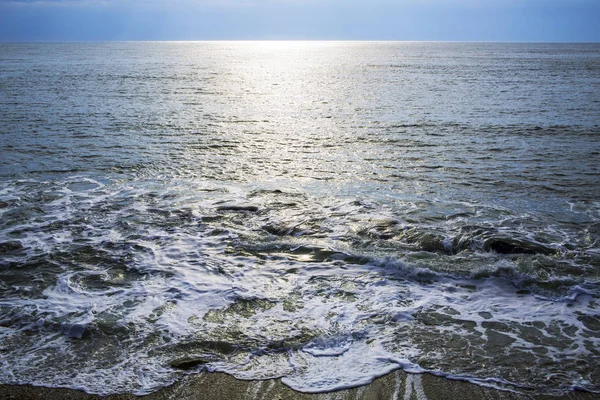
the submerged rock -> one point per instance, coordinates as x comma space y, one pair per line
238, 208
423, 240
189, 362
74, 331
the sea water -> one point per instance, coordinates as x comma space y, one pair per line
323, 212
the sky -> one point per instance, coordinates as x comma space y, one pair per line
444, 20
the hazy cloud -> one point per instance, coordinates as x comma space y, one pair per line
488, 20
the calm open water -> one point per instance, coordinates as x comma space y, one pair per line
323, 212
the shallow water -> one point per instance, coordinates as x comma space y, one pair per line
323, 212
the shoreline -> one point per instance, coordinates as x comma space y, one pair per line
221, 386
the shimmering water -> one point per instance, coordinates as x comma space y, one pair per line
321, 212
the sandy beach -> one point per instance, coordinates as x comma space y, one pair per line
218, 386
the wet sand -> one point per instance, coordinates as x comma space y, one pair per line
217, 386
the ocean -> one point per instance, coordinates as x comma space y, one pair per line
323, 212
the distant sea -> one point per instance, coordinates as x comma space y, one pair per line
324, 212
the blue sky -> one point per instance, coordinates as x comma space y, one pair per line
461, 20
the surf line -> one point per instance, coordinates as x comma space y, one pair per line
413, 381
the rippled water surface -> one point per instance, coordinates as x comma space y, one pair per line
322, 212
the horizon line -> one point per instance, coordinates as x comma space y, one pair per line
296, 40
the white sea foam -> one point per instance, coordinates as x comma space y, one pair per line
319, 312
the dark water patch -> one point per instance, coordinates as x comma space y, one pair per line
238, 208
106, 281
591, 323
7, 248
214, 349
29, 279
19, 215
287, 230
507, 245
